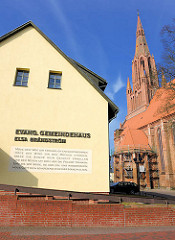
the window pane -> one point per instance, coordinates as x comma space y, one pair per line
58, 81
52, 76
52, 81
19, 78
58, 77
18, 84
24, 84
19, 73
26, 74
25, 79
51, 85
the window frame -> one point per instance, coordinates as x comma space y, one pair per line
24, 70
57, 74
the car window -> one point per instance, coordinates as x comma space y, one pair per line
120, 184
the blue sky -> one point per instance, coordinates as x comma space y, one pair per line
100, 34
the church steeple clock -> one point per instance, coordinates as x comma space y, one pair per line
144, 75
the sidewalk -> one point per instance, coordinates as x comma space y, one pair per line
56, 231
161, 191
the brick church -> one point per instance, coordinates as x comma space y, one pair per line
145, 142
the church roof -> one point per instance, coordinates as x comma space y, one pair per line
161, 105
96, 81
133, 140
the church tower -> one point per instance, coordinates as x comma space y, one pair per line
144, 76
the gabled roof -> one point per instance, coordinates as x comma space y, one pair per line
101, 82
96, 81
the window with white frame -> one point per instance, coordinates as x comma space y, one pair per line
22, 77
55, 80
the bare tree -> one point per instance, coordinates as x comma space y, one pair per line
167, 67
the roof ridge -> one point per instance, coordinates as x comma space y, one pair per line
88, 70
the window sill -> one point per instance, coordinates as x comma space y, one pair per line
19, 86
54, 88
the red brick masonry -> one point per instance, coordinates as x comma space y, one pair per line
26, 212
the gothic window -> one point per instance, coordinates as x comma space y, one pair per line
150, 70
135, 69
161, 149
173, 133
142, 63
133, 103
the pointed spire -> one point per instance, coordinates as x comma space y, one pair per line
140, 30
164, 81
128, 85
141, 44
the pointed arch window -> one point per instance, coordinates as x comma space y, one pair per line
173, 127
161, 149
142, 63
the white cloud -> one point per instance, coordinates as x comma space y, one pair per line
59, 15
118, 85
111, 91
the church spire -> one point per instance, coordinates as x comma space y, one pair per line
144, 76
128, 85
141, 44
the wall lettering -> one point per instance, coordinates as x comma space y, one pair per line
50, 160
46, 136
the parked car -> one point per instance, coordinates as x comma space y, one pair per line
125, 187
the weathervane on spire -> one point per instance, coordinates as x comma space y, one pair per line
137, 12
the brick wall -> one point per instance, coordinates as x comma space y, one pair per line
43, 212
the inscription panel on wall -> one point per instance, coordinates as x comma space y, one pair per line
50, 160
